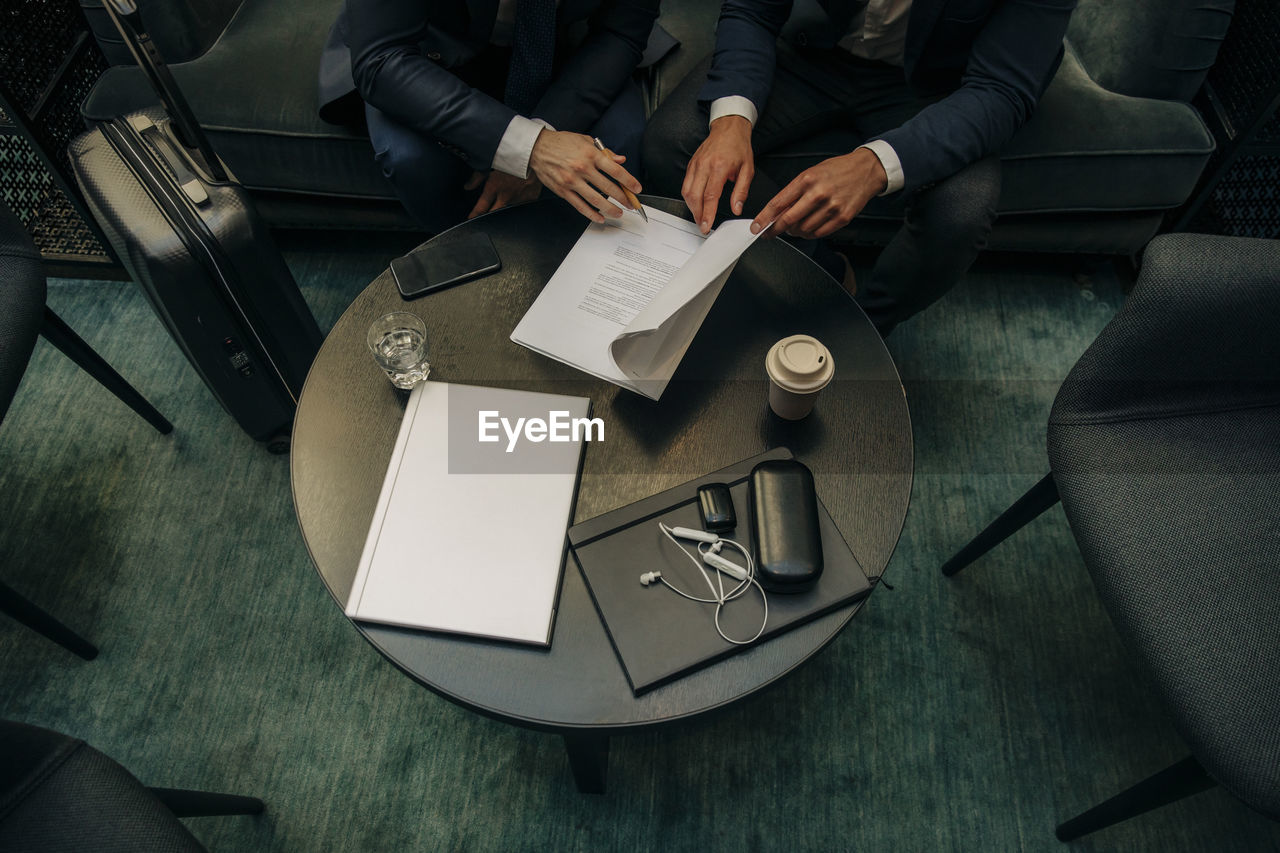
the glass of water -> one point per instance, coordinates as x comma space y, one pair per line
398, 342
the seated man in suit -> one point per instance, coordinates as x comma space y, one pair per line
476, 104
936, 87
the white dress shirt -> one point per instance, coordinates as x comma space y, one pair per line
877, 31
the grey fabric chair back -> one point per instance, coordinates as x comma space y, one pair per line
1149, 48
1165, 447
1159, 358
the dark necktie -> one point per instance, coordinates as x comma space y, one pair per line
533, 44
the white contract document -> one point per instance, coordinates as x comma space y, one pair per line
469, 537
629, 297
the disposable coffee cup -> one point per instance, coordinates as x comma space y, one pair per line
799, 367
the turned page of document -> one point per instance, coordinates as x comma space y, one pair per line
629, 297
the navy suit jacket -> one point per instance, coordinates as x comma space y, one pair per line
994, 56
399, 55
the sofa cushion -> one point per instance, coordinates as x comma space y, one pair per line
1150, 48
254, 91
693, 25
181, 31
1085, 149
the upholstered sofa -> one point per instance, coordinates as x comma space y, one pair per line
1114, 146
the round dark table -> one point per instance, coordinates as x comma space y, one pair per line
857, 442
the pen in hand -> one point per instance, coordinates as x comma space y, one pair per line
631, 197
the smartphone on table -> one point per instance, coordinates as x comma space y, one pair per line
444, 262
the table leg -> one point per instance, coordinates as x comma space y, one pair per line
589, 760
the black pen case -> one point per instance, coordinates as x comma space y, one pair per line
784, 519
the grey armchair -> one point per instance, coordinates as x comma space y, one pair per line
60, 795
1164, 447
23, 317
1113, 146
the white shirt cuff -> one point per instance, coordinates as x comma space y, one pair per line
516, 145
889, 160
734, 105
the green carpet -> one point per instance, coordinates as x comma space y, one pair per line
970, 714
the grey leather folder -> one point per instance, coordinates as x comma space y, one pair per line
659, 636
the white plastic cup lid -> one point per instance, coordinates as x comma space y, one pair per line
800, 364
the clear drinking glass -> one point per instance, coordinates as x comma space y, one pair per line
398, 342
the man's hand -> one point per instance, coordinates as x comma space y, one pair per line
570, 166
824, 198
500, 190
725, 155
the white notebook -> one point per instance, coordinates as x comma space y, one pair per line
469, 537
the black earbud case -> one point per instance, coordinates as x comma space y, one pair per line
784, 523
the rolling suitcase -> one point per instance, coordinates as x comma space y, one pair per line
189, 235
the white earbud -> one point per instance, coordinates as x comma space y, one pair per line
649, 577
690, 533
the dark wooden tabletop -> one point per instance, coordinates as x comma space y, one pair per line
857, 442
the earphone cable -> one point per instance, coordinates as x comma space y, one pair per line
717, 589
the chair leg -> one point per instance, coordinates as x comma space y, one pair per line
1174, 783
589, 760
184, 803
58, 333
23, 610
1027, 508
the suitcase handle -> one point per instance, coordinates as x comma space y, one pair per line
124, 14
175, 157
